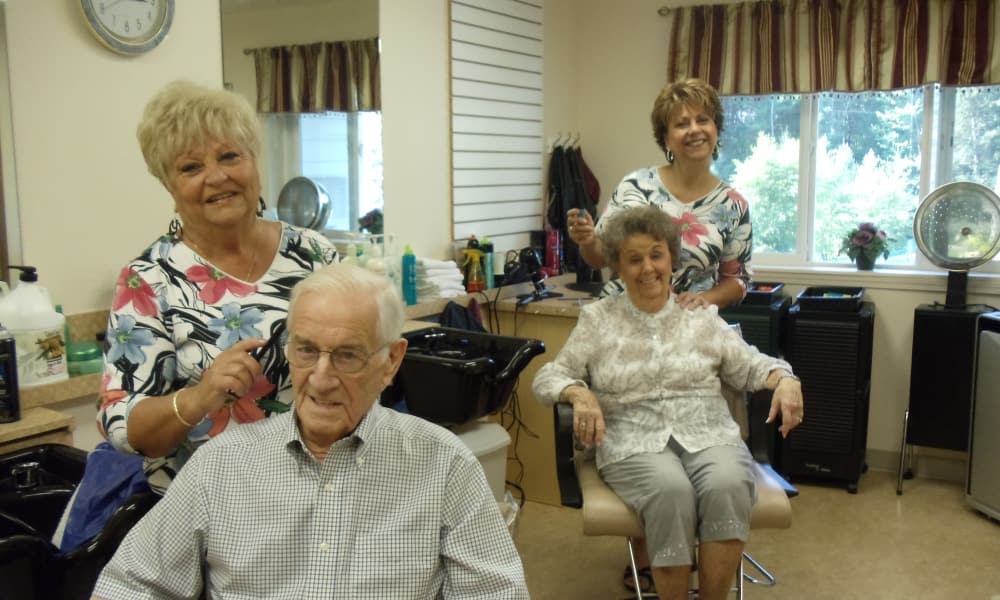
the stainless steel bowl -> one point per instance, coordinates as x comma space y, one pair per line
304, 202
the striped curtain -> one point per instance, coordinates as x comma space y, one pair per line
802, 46
320, 77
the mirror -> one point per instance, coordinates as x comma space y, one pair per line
340, 151
10, 238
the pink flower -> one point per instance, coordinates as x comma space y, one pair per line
243, 410
691, 229
131, 287
862, 238
214, 284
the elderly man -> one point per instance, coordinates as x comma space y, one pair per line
339, 498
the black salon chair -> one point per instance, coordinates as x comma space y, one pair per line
35, 485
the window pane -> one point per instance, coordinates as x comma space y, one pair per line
867, 169
326, 160
759, 157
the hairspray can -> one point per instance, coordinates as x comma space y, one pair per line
10, 404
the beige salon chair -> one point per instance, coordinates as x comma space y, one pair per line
604, 513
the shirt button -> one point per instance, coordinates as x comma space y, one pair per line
361, 461
324, 547
328, 487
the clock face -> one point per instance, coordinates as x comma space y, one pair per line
129, 26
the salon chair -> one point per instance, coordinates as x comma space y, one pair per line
35, 485
604, 513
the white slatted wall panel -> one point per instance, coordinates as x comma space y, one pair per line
496, 107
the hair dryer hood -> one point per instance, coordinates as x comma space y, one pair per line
957, 226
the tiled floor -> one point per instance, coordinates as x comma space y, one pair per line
924, 545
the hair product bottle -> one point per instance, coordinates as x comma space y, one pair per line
38, 331
10, 403
409, 276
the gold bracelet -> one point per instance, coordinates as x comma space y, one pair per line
177, 413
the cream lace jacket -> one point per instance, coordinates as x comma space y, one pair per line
656, 376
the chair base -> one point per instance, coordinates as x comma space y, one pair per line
766, 580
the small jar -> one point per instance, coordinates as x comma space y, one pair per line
84, 358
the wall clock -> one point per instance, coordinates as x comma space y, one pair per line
129, 26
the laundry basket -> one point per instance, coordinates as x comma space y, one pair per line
452, 376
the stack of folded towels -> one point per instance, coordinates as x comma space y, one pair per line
438, 279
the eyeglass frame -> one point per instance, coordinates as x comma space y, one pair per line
333, 360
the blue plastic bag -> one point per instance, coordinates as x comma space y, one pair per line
109, 478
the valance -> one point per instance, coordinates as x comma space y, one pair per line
800, 46
320, 77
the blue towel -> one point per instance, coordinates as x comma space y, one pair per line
109, 478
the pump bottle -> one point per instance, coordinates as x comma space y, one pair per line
37, 329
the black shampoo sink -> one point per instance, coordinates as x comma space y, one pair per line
452, 376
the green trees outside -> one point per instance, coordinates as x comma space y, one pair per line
866, 166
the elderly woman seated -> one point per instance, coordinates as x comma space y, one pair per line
645, 378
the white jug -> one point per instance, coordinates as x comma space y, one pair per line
27, 313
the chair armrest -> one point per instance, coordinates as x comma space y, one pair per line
569, 484
763, 442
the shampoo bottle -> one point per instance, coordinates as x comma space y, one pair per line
409, 276
10, 404
37, 329
486, 247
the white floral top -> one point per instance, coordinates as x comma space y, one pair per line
173, 313
716, 237
656, 376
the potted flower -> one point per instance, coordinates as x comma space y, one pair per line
372, 221
864, 244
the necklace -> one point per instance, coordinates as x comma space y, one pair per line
253, 258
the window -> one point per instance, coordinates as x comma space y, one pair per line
812, 166
340, 151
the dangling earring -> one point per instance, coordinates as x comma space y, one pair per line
261, 207
670, 156
175, 227
715, 151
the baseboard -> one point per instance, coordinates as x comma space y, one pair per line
929, 463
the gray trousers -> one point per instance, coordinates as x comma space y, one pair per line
682, 495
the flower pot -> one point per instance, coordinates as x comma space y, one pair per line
864, 263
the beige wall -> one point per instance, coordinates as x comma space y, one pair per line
88, 205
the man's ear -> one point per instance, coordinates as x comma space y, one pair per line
397, 351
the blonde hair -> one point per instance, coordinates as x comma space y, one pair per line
696, 93
185, 115
352, 281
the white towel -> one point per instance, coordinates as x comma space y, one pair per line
431, 263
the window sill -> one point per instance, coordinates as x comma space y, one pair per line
887, 279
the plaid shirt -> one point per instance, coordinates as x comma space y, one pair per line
399, 509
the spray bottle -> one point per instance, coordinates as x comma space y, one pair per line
37, 329
474, 281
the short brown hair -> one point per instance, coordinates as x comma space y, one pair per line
184, 115
693, 92
649, 220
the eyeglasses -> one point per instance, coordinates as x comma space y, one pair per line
344, 360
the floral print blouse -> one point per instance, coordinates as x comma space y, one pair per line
173, 313
716, 237
656, 376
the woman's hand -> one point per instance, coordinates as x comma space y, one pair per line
581, 227
588, 419
229, 377
691, 300
787, 401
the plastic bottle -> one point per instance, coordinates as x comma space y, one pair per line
486, 247
409, 276
10, 402
474, 281
38, 331
350, 255
375, 261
